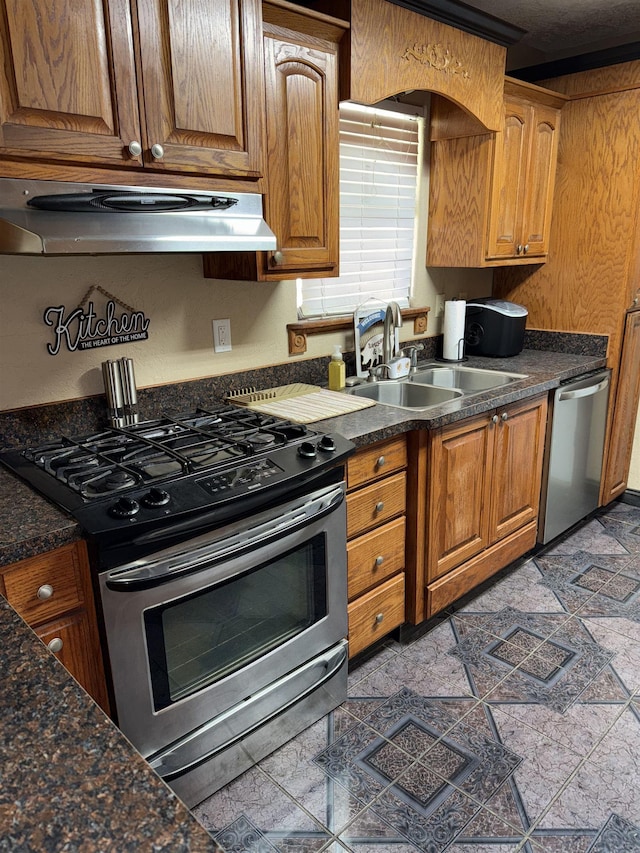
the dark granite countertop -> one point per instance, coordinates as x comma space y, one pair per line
30, 524
69, 780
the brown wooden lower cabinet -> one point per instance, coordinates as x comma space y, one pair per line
53, 594
474, 495
376, 506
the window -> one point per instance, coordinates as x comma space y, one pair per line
378, 191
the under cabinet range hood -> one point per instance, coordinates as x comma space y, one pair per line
52, 218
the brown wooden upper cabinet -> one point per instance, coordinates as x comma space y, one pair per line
302, 200
491, 195
168, 85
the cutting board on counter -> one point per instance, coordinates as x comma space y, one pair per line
300, 403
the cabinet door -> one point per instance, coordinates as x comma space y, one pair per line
202, 81
459, 495
540, 179
517, 466
508, 183
68, 82
302, 154
620, 443
72, 641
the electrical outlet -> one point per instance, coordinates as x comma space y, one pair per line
221, 335
439, 305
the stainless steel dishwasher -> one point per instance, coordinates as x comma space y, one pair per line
573, 464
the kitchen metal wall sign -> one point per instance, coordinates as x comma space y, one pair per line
83, 329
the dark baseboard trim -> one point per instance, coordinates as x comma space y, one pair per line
574, 64
631, 496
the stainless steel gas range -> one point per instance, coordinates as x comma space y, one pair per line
218, 543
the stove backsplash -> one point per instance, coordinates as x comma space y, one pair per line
26, 426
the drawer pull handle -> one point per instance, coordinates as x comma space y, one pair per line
379, 560
379, 506
45, 592
381, 461
379, 618
55, 645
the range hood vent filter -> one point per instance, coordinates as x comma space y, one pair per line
57, 218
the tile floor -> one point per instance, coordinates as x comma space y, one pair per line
513, 724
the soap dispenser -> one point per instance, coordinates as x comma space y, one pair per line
337, 370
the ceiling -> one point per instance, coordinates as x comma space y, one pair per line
558, 29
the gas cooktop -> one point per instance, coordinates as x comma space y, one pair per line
174, 466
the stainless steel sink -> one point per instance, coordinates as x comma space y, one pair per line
469, 380
406, 395
433, 385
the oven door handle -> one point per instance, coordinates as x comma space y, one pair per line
213, 738
144, 574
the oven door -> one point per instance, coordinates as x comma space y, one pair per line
205, 627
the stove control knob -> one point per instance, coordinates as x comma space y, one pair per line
125, 508
156, 497
307, 450
327, 444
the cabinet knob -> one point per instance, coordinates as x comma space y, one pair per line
379, 560
45, 592
505, 416
277, 258
157, 151
135, 149
379, 618
380, 462
55, 645
525, 248
519, 249
379, 506
495, 419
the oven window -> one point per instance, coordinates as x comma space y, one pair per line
199, 639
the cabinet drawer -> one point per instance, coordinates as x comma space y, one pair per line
375, 504
44, 587
377, 461
376, 613
375, 556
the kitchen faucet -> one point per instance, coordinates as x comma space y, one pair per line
392, 321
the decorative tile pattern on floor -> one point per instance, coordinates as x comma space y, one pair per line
533, 658
423, 782
617, 836
512, 726
602, 586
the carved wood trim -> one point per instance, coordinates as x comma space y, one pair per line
298, 332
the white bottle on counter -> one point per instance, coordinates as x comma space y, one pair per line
337, 370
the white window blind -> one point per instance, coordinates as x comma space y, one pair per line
378, 190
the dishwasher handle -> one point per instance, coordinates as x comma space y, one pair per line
589, 391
